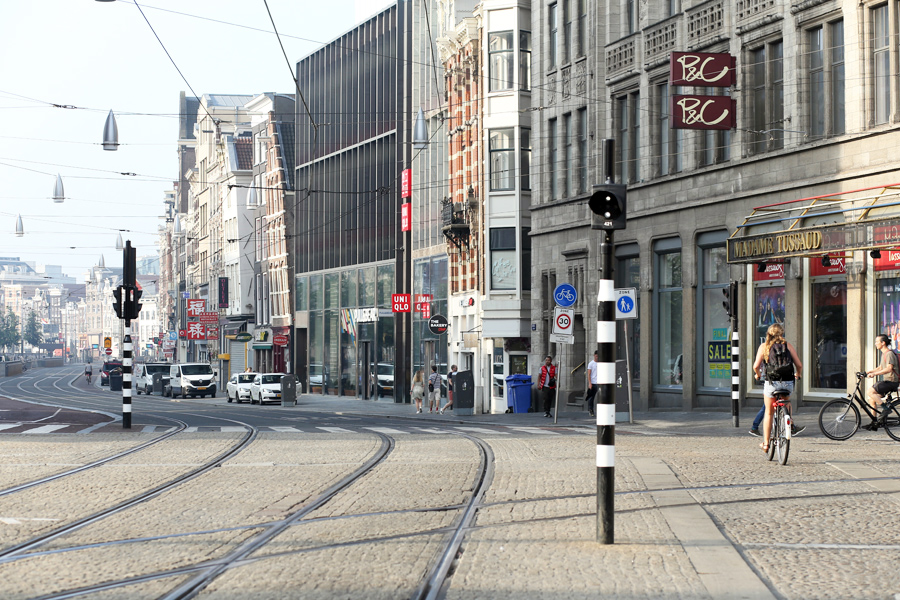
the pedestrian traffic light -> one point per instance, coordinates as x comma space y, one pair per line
134, 306
608, 205
117, 305
730, 303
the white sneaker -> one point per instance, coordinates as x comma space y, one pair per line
419, 412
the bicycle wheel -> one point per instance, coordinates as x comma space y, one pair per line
839, 419
783, 442
773, 435
892, 421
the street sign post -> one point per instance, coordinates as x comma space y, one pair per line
626, 303
563, 320
108, 351
565, 295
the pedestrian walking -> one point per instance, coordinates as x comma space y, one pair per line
547, 383
450, 375
593, 382
418, 390
434, 390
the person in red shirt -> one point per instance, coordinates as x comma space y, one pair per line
547, 383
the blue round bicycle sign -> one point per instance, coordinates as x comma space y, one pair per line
565, 295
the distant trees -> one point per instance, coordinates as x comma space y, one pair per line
9, 331
34, 332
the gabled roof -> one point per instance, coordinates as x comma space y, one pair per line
243, 148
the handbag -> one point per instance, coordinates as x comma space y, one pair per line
552, 382
430, 387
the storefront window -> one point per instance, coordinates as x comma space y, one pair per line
669, 357
332, 289
348, 288
628, 275
317, 383
316, 301
499, 379
367, 287
829, 326
300, 293
716, 341
887, 306
332, 350
385, 285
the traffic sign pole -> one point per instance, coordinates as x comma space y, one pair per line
606, 406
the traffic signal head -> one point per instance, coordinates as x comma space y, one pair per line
134, 305
608, 205
730, 303
117, 305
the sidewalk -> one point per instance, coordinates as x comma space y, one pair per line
693, 422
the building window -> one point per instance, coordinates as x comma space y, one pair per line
554, 33
881, 58
826, 80
503, 258
502, 151
628, 117
715, 341
671, 141
630, 16
580, 27
670, 7
551, 158
500, 49
829, 327
582, 150
526, 259
568, 151
525, 158
715, 144
669, 364
524, 60
767, 98
568, 29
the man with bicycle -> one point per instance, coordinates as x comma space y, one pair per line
889, 370
88, 372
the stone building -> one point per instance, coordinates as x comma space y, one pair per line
816, 98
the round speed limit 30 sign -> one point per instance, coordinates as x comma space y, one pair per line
562, 321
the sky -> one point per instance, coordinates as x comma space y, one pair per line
101, 56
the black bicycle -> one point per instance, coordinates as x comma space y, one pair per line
780, 433
839, 419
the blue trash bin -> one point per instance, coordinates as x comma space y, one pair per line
518, 395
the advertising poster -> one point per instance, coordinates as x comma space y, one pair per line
769, 309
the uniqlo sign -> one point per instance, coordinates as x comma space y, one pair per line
195, 308
195, 331
405, 217
406, 183
423, 305
400, 302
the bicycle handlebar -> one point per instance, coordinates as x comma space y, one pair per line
860, 375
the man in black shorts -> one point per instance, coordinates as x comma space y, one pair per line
889, 369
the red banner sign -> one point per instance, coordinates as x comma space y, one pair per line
835, 266
405, 217
195, 307
208, 317
406, 183
280, 340
212, 333
195, 331
703, 112
890, 257
774, 271
400, 302
702, 69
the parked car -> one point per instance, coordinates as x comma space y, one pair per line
238, 387
143, 376
320, 377
108, 366
191, 380
383, 379
266, 387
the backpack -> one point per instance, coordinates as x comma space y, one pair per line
780, 366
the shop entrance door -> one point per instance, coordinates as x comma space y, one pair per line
364, 366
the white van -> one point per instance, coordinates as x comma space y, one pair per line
143, 376
191, 379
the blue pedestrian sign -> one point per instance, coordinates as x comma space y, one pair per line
626, 303
565, 295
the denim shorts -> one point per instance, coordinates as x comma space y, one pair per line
770, 387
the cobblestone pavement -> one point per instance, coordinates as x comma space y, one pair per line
700, 513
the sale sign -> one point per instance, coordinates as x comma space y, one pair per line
400, 302
406, 183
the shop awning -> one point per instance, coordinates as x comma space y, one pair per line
831, 224
234, 327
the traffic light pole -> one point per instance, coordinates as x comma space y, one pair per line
606, 399
126, 377
127, 308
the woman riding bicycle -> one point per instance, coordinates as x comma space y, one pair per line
782, 366
88, 372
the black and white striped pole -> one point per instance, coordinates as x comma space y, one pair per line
607, 204
731, 308
127, 307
